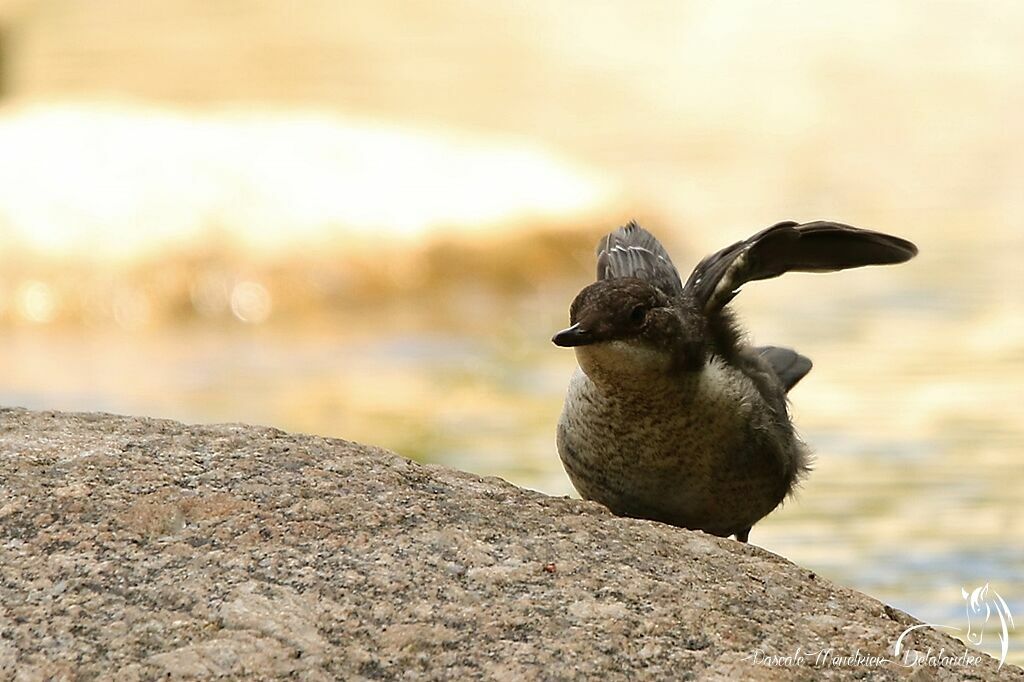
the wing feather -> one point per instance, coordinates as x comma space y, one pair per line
632, 251
791, 247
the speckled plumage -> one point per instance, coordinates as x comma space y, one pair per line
671, 416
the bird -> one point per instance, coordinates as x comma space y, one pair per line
671, 415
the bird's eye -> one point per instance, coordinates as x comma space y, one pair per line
638, 314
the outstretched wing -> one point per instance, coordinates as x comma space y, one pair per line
632, 251
811, 247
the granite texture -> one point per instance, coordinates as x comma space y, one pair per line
138, 549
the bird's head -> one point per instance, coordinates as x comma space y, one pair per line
626, 328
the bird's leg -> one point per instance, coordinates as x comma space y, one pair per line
744, 534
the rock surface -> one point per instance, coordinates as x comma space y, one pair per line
141, 548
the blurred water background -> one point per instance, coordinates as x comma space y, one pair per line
366, 220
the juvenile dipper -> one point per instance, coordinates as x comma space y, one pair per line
671, 416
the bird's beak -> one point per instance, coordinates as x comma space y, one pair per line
573, 336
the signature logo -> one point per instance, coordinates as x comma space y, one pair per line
981, 603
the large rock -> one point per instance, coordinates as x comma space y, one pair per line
141, 548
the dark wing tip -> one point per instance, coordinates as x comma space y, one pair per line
906, 248
835, 246
787, 364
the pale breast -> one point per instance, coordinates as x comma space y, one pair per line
683, 451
